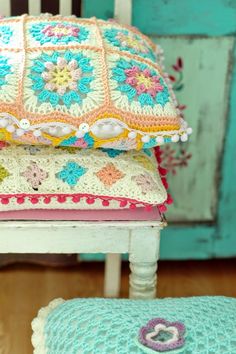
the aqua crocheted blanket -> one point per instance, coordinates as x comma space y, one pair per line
197, 325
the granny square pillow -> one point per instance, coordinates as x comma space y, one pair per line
197, 325
44, 177
66, 81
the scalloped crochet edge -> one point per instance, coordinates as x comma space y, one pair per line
38, 324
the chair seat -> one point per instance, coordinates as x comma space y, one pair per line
104, 326
138, 214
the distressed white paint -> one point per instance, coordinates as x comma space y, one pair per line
140, 239
123, 11
5, 7
34, 7
65, 7
143, 257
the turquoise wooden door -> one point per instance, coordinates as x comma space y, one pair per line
198, 38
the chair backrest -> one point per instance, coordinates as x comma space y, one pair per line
122, 8
35, 7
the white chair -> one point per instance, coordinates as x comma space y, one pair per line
140, 239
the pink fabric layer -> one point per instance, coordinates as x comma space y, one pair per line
138, 214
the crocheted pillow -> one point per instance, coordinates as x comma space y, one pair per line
198, 325
68, 178
83, 82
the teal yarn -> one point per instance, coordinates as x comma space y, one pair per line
111, 326
71, 173
71, 94
44, 32
114, 37
5, 34
5, 69
140, 83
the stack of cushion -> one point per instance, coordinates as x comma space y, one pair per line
82, 104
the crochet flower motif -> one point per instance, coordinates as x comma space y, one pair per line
34, 175
139, 82
5, 34
5, 69
62, 78
109, 174
58, 32
3, 173
85, 142
71, 173
128, 41
161, 335
145, 182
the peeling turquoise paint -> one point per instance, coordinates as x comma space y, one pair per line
103, 9
194, 19
185, 17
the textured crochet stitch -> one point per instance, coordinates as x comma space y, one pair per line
68, 178
83, 82
102, 326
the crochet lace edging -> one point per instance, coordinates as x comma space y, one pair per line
38, 324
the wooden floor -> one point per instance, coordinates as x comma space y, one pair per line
24, 289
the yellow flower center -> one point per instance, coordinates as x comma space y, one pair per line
59, 30
147, 81
61, 76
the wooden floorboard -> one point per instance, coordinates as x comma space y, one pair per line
24, 289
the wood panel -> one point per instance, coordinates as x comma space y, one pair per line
204, 91
105, 10
169, 17
225, 241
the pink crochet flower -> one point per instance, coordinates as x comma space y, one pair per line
34, 175
145, 182
61, 30
143, 81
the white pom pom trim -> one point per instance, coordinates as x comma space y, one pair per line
160, 140
145, 139
132, 135
184, 137
37, 133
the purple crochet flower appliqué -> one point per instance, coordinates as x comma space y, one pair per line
161, 335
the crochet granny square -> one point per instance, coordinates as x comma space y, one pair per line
66, 81
44, 177
195, 325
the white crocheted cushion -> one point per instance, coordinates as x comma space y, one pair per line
67, 178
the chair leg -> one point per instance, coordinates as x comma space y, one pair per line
143, 257
112, 275
143, 280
